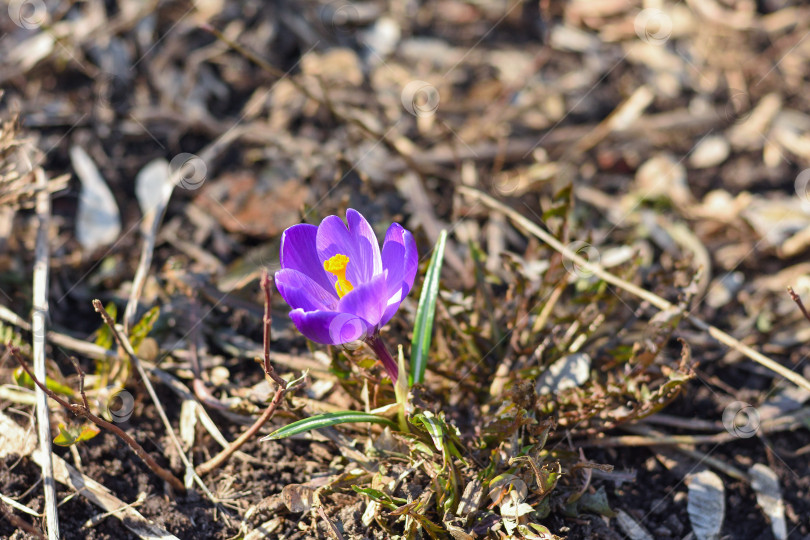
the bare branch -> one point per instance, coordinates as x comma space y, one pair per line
268, 321
795, 297
80, 410
226, 452
80, 371
124, 344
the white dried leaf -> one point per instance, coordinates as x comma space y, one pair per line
663, 176
631, 527
568, 372
381, 39
265, 530
769, 497
776, 220
471, 498
98, 222
370, 513
706, 504
188, 422
14, 439
510, 509
152, 186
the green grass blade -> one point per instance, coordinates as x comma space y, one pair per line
325, 420
423, 329
433, 427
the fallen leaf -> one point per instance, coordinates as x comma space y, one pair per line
568, 372
98, 222
769, 497
706, 504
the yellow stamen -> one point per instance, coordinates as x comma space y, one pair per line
337, 265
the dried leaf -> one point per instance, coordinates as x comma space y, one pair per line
570, 371
98, 222
152, 186
707, 504
298, 498
769, 497
631, 527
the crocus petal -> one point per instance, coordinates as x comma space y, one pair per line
301, 291
330, 327
299, 252
400, 260
368, 245
356, 242
367, 301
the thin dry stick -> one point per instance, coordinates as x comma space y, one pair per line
150, 225
19, 523
91, 350
332, 528
795, 297
665, 440
220, 458
697, 455
81, 410
124, 343
652, 298
268, 322
40, 301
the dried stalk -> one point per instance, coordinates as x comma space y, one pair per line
222, 456
225, 453
20, 523
83, 411
126, 346
650, 297
796, 298
150, 226
38, 321
268, 321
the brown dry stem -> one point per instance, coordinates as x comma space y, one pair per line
221, 457
796, 298
20, 523
83, 411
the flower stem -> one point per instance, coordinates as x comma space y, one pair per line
379, 348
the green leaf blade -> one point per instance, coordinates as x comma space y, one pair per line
425, 313
320, 421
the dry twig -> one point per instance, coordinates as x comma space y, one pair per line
124, 343
83, 411
20, 523
40, 315
282, 389
796, 298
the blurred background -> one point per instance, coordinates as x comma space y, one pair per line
274, 111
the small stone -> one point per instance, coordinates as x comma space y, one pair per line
710, 152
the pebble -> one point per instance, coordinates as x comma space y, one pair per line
710, 152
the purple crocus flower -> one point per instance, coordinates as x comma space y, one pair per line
341, 287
